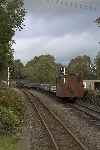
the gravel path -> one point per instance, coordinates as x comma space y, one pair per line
77, 122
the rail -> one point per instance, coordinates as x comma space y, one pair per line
41, 109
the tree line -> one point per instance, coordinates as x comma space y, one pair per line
44, 69
40, 69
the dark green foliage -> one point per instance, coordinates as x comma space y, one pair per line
11, 99
11, 111
19, 69
9, 142
11, 18
83, 66
9, 121
41, 69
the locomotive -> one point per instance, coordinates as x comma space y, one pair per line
69, 85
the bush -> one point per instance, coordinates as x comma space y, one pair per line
11, 99
9, 121
11, 110
9, 142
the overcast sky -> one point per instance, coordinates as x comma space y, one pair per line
63, 28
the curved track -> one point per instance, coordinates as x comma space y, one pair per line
60, 135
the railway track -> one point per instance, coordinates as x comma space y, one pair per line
94, 114
40, 138
61, 137
83, 108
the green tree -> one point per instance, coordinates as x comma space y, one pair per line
83, 66
11, 18
42, 69
19, 69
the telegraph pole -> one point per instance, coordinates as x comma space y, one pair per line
8, 74
8, 82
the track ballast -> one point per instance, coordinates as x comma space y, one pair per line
61, 137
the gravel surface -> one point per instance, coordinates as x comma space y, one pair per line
62, 137
95, 107
79, 123
34, 134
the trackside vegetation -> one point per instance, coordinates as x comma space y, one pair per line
12, 15
43, 69
11, 118
8, 143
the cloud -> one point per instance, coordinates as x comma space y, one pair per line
58, 26
58, 30
63, 48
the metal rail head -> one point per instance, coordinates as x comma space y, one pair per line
89, 111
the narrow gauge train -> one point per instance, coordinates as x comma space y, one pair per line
68, 86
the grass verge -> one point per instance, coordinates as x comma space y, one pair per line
12, 108
9, 143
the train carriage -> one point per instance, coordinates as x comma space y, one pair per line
93, 85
